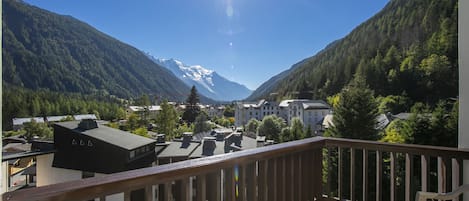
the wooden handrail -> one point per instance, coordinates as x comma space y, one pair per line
130, 180
137, 179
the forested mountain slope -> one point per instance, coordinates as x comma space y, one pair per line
409, 48
43, 50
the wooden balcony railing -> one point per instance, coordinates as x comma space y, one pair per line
311, 169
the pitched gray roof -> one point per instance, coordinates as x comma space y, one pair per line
110, 135
247, 143
178, 149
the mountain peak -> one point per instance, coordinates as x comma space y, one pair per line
208, 82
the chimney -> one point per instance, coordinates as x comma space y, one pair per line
220, 136
208, 146
237, 138
187, 137
87, 124
160, 138
260, 141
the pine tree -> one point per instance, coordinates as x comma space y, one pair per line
192, 109
355, 113
193, 98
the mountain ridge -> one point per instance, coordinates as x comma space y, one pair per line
207, 82
44, 50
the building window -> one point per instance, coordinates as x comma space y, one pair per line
132, 154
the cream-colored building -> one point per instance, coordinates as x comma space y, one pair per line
310, 112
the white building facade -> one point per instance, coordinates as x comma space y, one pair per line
310, 112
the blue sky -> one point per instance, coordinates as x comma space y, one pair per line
247, 41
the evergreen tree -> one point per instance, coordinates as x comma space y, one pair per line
193, 98
192, 109
201, 123
166, 120
355, 113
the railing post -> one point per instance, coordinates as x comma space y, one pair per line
168, 193
242, 183
272, 179
455, 175
183, 189
281, 178
296, 168
229, 184
425, 161
393, 176
149, 193
441, 175
318, 173
262, 184
329, 172
379, 178
409, 164
201, 188
341, 174
365, 175
251, 187
306, 169
213, 185
352, 174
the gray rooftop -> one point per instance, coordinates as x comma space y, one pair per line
178, 149
110, 135
247, 143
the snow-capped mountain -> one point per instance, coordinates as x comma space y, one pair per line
208, 82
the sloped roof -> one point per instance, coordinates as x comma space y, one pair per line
110, 135
55, 118
84, 116
21, 121
178, 149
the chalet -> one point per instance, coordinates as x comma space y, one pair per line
87, 146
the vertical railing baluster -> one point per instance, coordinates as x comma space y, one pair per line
272, 179
281, 178
393, 176
242, 183
365, 175
229, 184
306, 174
183, 189
289, 168
262, 184
296, 170
318, 173
441, 175
425, 161
201, 188
340, 171
148, 193
352, 174
127, 196
213, 186
168, 194
379, 177
251, 181
329, 173
455, 183
408, 177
